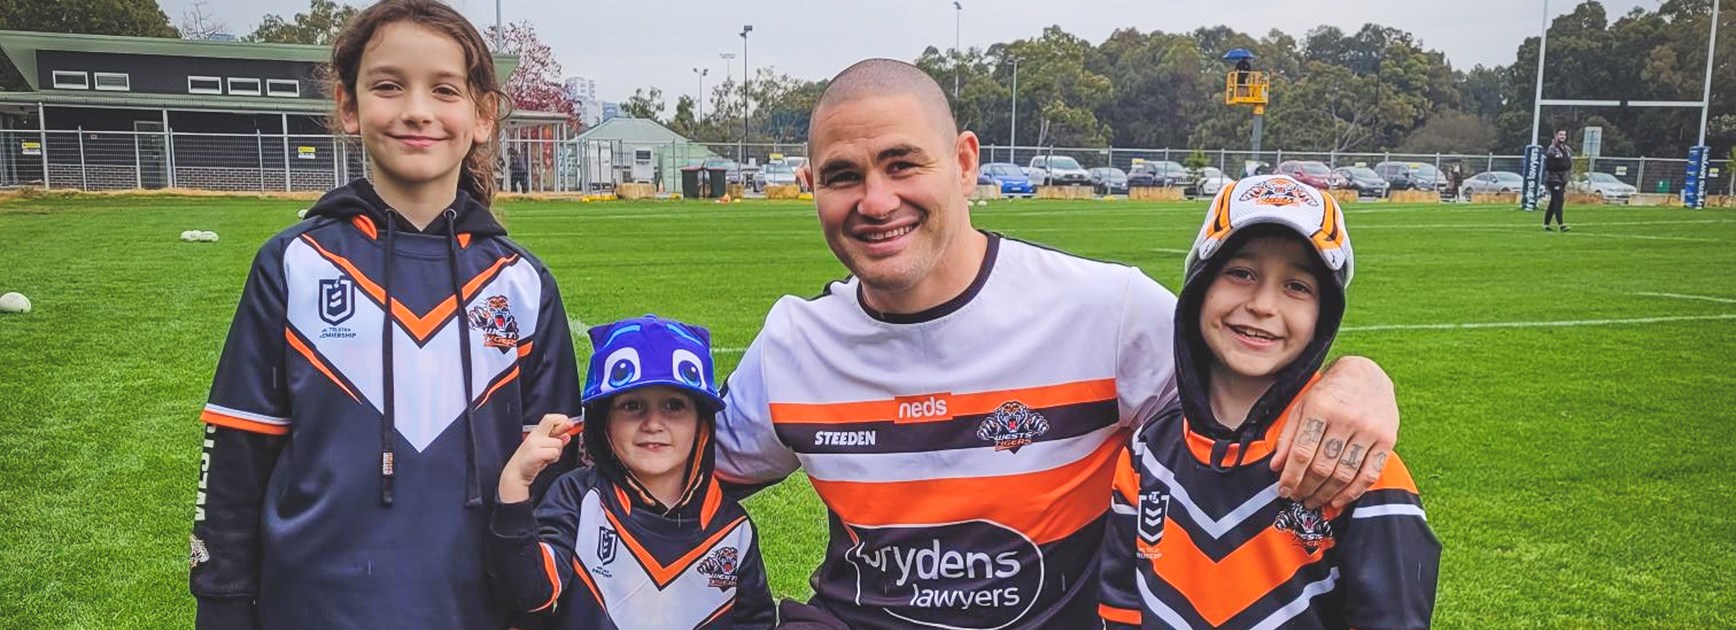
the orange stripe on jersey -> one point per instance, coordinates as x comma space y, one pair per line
1396, 476
419, 326
366, 225
1052, 504
713, 501
585, 576
524, 348
717, 615
1220, 589
1126, 477
1201, 446
295, 342
1118, 615
463, 239
511, 376
251, 426
554, 579
660, 573
977, 403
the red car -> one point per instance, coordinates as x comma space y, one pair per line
1312, 173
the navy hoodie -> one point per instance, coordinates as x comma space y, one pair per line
602, 553
349, 455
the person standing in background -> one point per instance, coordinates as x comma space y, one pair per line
1557, 167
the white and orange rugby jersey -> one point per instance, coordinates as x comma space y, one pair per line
965, 454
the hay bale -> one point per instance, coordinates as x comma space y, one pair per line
1579, 199
1154, 193
635, 192
735, 191
783, 191
1721, 201
1511, 199
1343, 195
986, 191
1417, 196
1653, 199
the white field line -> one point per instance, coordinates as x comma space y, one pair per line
1550, 324
1679, 296
1168, 250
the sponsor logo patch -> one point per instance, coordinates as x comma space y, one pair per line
971, 575
1153, 512
494, 318
1309, 528
607, 541
1279, 192
337, 300
198, 554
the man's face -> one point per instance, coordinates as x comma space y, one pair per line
1561, 136
891, 187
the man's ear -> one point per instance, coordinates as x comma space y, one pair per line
969, 150
347, 114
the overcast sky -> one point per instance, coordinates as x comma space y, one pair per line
621, 47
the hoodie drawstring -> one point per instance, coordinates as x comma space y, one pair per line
388, 425
1241, 439
472, 487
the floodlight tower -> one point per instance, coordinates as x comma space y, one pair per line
741, 149
1244, 86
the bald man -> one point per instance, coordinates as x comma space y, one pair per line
958, 401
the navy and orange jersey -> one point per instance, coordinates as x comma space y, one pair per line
595, 557
965, 454
1190, 546
348, 450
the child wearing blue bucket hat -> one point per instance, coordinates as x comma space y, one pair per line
644, 538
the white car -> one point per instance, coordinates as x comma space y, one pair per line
1211, 180
1603, 185
1057, 170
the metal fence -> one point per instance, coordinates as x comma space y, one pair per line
123, 160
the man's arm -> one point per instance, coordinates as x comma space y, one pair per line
1339, 438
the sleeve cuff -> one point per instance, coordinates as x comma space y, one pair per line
224, 613
513, 520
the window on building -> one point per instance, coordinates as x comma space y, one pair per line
243, 87
283, 87
70, 80
204, 85
113, 81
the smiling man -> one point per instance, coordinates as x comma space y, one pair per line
957, 403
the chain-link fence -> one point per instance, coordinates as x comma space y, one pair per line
123, 160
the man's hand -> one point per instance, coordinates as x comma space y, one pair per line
1339, 436
542, 447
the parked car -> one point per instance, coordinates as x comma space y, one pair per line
1363, 180
774, 174
1162, 173
1058, 170
1411, 175
733, 172
1207, 183
1108, 180
1310, 172
1604, 185
1493, 182
1013, 181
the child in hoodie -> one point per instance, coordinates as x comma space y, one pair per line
1198, 536
386, 357
646, 530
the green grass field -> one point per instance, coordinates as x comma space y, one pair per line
1563, 394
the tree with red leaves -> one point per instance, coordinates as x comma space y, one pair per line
536, 85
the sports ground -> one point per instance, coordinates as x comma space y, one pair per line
1564, 396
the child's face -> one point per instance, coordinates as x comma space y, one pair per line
1260, 310
651, 430
413, 106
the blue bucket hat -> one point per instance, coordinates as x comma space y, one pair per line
645, 351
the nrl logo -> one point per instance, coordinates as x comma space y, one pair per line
1310, 528
499, 328
720, 567
1012, 426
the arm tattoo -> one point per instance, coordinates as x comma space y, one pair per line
1353, 457
1311, 431
1334, 446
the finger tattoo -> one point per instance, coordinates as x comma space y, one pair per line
1312, 430
1379, 460
1334, 446
1353, 458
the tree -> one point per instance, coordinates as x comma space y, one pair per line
647, 105
1450, 132
684, 122
320, 25
196, 24
98, 17
536, 84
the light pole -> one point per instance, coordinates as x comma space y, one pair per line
958, 20
746, 77
499, 35
728, 65
701, 98
1013, 133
